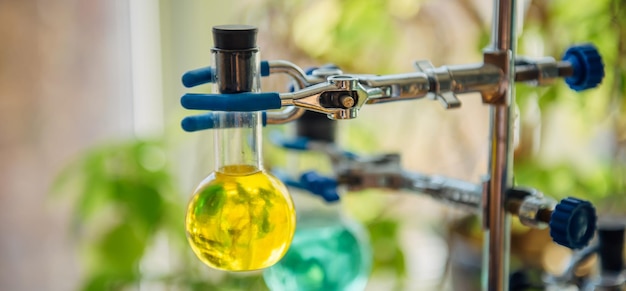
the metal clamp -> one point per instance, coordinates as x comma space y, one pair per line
340, 97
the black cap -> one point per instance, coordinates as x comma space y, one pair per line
234, 37
611, 246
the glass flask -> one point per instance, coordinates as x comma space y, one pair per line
329, 251
240, 217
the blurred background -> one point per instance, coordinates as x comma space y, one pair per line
96, 172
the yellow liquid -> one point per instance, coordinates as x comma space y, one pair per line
240, 219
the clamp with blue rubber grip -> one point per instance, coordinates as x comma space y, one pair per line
341, 96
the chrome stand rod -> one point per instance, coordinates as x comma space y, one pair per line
501, 152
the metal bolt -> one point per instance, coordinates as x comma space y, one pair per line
347, 101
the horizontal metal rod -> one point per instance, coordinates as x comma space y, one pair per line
467, 195
529, 72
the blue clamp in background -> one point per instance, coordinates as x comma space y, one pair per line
322, 186
312, 182
298, 143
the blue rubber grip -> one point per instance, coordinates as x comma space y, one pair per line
319, 185
265, 69
198, 77
205, 121
207, 75
299, 143
198, 122
286, 179
243, 102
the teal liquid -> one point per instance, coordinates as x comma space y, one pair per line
325, 254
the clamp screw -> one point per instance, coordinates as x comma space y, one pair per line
347, 101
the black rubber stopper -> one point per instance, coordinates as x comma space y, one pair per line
611, 248
316, 126
234, 37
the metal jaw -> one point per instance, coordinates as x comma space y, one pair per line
340, 97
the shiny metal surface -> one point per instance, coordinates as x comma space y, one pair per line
545, 69
360, 173
501, 152
481, 78
286, 115
399, 87
498, 232
531, 208
443, 91
527, 71
289, 68
441, 83
458, 193
340, 97
289, 113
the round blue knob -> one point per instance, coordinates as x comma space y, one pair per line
573, 223
587, 65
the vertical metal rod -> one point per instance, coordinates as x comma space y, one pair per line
501, 152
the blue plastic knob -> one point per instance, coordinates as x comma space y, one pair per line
587, 65
573, 223
319, 185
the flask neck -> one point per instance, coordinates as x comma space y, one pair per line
238, 134
238, 142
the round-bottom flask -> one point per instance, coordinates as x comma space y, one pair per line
328, 252
240, 218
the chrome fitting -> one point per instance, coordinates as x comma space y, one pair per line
530, 208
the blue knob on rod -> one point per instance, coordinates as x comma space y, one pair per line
573, 223
588, 67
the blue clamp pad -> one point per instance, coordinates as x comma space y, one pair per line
573, 223
320, 185
298, 143
207, 75
587, 65
265, 69
206, 121
198, 77
243, 102
285, 178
